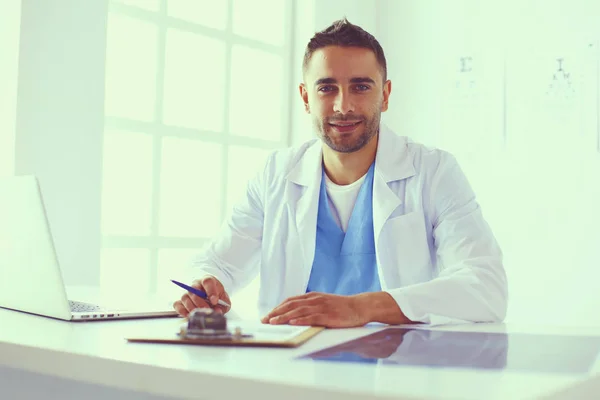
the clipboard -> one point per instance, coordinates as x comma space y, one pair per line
284, 336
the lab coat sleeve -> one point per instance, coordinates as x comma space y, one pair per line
471, 285
233, 255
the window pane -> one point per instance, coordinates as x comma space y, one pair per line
126, 183
256, 94
243, 164
151, 5
194, 81
174, 264
190, 195
262, 20
204, 12
120, 267
130, 68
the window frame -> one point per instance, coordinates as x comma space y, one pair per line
158, 130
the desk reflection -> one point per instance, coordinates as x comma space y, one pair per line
477, 350
422, 348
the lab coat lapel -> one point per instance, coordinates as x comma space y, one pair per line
385, 201
304, 182
392, 163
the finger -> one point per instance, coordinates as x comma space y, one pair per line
287, 307
309, 295
188, 304
198, 301
223, 296
197, 283
300, 301
221, 309
296, 313
309, 320
213, 289
181, 310
280, 309
309, 298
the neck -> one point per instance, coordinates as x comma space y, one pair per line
347, 168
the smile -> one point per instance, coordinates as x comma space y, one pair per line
345, 127
345, 124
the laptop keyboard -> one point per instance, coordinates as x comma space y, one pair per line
77, 306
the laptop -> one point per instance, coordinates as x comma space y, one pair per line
30, 275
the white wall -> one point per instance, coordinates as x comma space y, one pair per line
360, 12
59, 127
537, 176
10, 21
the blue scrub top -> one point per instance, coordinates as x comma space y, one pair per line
345, 263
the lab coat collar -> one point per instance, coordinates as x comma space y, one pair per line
308, 168
393, 161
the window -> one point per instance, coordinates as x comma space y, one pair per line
192, 88
10, 25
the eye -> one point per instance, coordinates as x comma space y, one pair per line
327, 89
362, 88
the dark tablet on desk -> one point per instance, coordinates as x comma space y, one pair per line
474, 350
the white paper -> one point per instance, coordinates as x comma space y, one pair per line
266, 332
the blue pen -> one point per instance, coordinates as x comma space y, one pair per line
199, 293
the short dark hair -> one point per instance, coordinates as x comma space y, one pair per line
345, 34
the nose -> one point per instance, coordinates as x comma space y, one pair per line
343, 103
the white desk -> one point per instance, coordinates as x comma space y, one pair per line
39, 354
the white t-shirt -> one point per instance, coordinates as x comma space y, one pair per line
341, 200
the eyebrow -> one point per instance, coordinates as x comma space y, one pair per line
324, 81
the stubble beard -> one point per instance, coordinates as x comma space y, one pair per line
370, 130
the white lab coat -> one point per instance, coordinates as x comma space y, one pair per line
436, 255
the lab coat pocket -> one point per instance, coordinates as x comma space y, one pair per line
404, 242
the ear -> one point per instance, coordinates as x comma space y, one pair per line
387, 90
304, 95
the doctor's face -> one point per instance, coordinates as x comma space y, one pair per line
344, 92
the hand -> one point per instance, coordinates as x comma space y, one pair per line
215, 292
319, 309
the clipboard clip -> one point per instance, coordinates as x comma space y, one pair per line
205, 323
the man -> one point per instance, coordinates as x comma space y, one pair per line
362, 225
